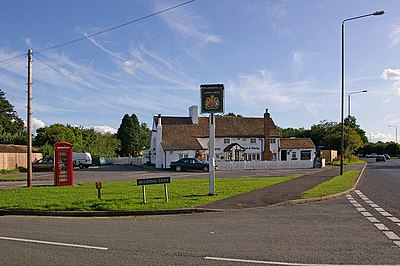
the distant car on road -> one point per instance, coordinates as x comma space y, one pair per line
190, 164
380, 158
387, 156
44, 164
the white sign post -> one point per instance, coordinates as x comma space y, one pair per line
212, 101
212, 156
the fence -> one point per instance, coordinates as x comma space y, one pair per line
10, 161
263, 165
125, 160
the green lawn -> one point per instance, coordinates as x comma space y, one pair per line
335, 185
11, 179
187, 193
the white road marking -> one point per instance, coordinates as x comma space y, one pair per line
381, 227
52, 243
394, 219
373, 219
366, 214
389, 234
270, 262
386, 214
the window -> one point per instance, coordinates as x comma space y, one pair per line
272, 140
183, 155
253, 140
227, 141
294, 155
305, 155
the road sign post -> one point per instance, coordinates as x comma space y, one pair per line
153, 181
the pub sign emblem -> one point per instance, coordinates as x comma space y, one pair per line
212, 98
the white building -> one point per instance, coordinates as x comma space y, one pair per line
237, 139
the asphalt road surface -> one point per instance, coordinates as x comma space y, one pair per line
359, 229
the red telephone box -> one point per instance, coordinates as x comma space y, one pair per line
63, 166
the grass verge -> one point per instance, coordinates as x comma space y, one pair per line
335, 185
11, 179
120, 196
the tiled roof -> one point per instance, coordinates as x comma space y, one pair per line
184, 136
296, 143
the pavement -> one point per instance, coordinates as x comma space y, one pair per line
288, 192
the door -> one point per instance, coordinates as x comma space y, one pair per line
283, 155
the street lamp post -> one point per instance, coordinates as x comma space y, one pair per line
348, 100
396, 137
377, 13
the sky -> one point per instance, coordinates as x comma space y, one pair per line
95, 61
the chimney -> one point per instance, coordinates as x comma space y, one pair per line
267, 156
159, 120
193, 113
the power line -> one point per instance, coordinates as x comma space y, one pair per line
104, 31
12, 62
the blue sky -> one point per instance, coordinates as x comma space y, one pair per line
280, 55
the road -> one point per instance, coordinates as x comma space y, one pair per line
331, 232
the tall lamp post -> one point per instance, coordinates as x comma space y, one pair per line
396, 137
349, 100
377, 13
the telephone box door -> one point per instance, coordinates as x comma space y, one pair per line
63, 167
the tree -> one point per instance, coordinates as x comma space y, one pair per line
133, 136
82, 139
333, 139
12, 129
145, 136
319, 131
231, 115
293, 132
351, 121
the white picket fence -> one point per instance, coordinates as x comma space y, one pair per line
263, 165
227, 165
125, 160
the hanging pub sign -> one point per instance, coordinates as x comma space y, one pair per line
212, 98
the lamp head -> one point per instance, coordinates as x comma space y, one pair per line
378, 13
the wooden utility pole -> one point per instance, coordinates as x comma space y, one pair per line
29, 122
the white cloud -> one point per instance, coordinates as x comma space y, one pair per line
379, 136
188, 25
257, 90
395, 36
392, 74
298, 61
104, 129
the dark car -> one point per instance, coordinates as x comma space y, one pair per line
189, 164
380, 158
44, 164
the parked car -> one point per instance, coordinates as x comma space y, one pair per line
189, 164
82, 159
98, 160
380, 158
44, 164
387, 156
